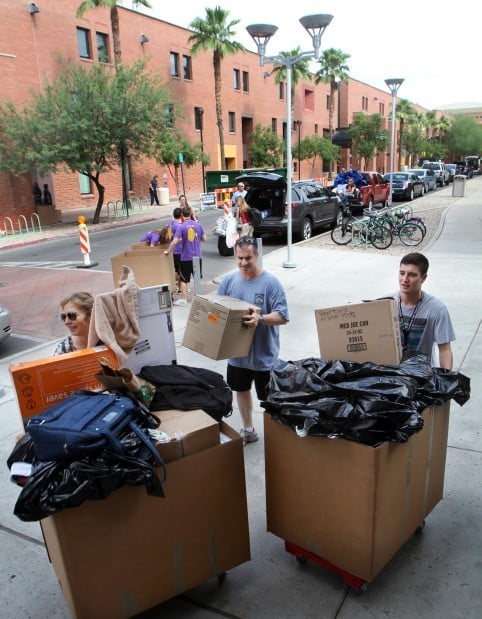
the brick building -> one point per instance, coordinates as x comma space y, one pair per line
250, 95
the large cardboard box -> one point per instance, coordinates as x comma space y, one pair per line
151, 267
129, 552
350, 504
360, 332
188, 432
156, 344
41, 383
143, 247
215, 327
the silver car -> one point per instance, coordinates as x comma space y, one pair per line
427, 176
5, 323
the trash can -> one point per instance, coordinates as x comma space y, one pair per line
458, 187
163, 193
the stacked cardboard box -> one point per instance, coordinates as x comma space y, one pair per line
129, 552
151, 266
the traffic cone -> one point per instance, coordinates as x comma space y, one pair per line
85, 244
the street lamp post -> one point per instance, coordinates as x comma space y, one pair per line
393, 85
298, 126
200, 112
315, 25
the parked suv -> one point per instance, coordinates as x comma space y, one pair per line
312, 205
441, 172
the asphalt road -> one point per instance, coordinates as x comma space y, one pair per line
65, 252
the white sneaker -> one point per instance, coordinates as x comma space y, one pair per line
180, 302
248, 436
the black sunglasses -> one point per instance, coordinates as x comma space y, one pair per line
69, 315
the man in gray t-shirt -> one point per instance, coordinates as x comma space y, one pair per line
424, 319
269, 310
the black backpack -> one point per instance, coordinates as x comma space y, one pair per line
255, 216
187, 388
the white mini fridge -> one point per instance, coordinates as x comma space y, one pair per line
156, 344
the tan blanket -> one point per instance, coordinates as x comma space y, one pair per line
114, 317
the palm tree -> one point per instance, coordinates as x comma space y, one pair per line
404, 112
333, 70
299, 70
216, 33
87, 5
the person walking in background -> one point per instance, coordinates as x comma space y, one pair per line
47, 199
75, 313
239, 193
268, 311
37, 194
424, 319
177, 249
243, 217
153, 190
190, 234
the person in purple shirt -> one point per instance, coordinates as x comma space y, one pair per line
190, 235
176, 252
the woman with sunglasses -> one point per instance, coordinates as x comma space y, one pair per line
75, 312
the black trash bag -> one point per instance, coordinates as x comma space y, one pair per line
58, 485
362, 402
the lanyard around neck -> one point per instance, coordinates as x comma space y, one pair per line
404, 327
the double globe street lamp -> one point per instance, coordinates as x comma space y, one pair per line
393, 85
315, 25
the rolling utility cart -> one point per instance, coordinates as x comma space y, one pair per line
350, 506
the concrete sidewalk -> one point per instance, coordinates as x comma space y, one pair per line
435, 575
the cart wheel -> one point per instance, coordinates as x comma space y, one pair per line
420, 528
222, 577
363, 588
301, 559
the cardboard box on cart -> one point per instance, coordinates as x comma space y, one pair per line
348, 503
150, 266
360, 332
119, 556
215, 327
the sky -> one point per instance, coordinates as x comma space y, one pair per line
433, 44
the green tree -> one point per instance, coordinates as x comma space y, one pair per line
314, 146
81, 120
333, 70
368, 135
216, 33
169, 143
265, 148
464, 137
88, 5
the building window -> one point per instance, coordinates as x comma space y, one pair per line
187, 67
316, 128
274, 125
382, 109
281, 90
174, 60
83, 43
236, 79
198, 124
102, 52
309, 100
364, 103
327, 102
245, 81
232, 122
85, 184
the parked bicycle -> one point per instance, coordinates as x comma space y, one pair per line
409, 229
364, 231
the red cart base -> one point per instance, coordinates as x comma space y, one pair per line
303, 555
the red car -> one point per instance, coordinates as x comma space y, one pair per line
376, 190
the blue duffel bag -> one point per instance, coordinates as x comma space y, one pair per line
87, 422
